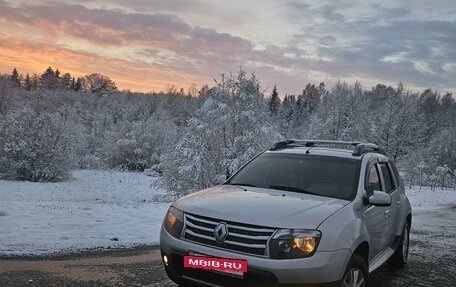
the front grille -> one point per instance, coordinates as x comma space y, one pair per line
246, 238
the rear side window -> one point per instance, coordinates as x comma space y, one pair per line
389, 186
396, 174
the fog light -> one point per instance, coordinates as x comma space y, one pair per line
165, 260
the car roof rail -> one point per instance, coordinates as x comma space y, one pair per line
359, 148
363, 148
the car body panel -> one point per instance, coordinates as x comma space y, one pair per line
345, 229
321, 267
258, 206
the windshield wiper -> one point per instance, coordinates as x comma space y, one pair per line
243, 184
291, 188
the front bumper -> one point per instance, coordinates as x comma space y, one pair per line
322, 269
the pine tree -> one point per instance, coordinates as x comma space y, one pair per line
286, 115
65, 81
27, 82
274, 102
15, 79
78, 85
36, 81
50, 79
73, 84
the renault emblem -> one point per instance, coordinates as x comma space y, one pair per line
220, 232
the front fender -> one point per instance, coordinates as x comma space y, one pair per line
343, 230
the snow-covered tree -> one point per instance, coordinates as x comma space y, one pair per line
334, 121
140, 144
78, 85
15, 78
397, 126
287, 114
7, 91
36, 146
98, 84
306, 104
27, 82
50, 79
221, 127
274, 102
229, 129
35, 81
65, 81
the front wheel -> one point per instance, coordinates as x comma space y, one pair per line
356, 274
400, 256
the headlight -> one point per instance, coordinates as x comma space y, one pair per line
174, 221
294, 243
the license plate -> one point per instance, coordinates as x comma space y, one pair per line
225, 266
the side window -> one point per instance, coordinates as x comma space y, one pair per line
396, 174
389, 186
373, 180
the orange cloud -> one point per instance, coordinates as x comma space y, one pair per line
36, 56
146, 51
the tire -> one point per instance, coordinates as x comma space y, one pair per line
400, 256
356, 274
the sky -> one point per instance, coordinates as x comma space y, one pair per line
149, 45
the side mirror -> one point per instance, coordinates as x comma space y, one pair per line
219, 179
380, 198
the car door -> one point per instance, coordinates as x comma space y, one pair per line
377, 218
392, 187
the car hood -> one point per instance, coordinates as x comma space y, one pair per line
259, 206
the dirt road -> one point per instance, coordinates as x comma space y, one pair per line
133, 267
142, 267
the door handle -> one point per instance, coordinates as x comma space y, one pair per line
387, 213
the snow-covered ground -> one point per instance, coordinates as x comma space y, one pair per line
113, 209
433, 223
93, 209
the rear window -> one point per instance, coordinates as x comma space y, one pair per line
320, 175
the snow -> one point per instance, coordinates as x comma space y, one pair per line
426, 199
94, 209
107, 209
433, 222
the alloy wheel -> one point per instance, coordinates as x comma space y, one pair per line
354, 278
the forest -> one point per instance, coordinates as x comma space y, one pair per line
51, 124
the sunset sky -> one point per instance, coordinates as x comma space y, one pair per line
145, 45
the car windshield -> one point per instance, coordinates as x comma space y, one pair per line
302, 173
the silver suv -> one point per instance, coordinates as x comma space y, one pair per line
311, 213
